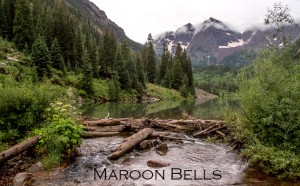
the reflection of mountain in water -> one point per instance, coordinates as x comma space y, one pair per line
209, 109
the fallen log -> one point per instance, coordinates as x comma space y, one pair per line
215, 129
220, 133
130, 143
88, 134
168, 125
20, 147
115, 128
204, 131
104, 122
175, 138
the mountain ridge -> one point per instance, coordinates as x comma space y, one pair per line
212, 40
100, 18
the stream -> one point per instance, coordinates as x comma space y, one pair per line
191, 163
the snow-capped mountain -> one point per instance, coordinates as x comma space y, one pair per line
211, 41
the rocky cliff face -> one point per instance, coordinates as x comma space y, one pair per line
211, 41
100, 18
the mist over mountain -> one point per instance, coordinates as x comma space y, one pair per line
211, 41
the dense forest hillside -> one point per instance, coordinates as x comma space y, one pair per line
64, 51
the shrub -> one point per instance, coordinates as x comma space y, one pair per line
22, 106
61, 135
269, 125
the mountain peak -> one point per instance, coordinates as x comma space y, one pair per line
211, 23
213, 20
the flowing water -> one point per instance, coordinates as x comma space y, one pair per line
191, 163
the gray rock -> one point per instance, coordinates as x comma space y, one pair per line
162, 149
23, 179
38, 167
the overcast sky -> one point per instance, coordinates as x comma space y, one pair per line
138, 18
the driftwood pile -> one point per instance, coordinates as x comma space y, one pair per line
144, 131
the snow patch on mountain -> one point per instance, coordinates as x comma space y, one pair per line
238, 43
170, 45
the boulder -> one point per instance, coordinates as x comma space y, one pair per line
23, 179
162, 149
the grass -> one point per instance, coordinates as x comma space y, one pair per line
163, 93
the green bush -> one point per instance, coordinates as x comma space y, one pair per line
22, 106
269, 93
61, 135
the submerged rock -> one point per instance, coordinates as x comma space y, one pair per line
157, 163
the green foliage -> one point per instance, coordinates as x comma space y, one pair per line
270, 123
61, 135
22, 106
163, 93
239, 59
215, 79
283, 163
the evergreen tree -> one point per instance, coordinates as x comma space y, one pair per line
108, 53
3, 22
40, 57
184, 90
78, 50
114, 89
93, 53
190, 77
140, 71
9, 9
164, 64
151, 62
56, 57
86, 83
23, 24
177, 73
125, 79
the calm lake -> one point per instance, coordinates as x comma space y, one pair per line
207, 109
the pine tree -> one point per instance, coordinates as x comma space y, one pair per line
184, 90
3, 22
190, 77
164, 64
125, 79
140, 71
57, 60
114, 89
94, 57
151, 62
177, 73
9, 9
108, 53
86, 83
23, 24
40, 57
